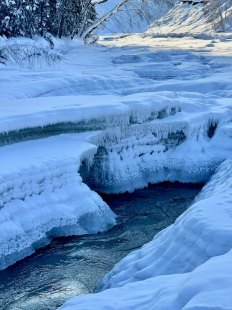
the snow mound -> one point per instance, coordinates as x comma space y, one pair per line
186, 266
43, 196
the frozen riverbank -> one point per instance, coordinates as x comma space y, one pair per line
43, 196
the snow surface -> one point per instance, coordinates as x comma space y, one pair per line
186, 266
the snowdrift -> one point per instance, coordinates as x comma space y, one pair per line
35, 52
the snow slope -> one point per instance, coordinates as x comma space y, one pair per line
198, 20
186, 266
183, 19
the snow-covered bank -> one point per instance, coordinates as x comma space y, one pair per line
207, 287
203, 19
42, 195
186, 266
183, 20
146, 138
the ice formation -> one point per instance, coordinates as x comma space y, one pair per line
43, 196
152, 131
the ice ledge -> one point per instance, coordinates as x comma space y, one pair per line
43, 196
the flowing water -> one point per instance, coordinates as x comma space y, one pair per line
73, 266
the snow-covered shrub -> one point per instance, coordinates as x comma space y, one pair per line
28, 52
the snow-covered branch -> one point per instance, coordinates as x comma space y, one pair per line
101, 20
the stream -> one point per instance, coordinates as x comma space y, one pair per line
73, 265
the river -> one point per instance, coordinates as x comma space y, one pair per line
73, 266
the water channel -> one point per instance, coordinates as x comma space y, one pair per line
73, 266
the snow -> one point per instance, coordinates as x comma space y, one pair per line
149, 103
182, 20
129, 111
133, 16
185, 19
43, 196
186, 266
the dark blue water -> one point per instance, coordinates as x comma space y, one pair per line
72, 266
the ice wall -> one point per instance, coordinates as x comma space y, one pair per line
184, 141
